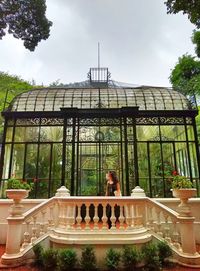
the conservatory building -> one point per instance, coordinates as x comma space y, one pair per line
72, 135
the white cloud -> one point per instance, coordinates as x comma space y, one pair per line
140, 43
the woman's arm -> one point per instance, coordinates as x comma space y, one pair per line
106, 189
117, 191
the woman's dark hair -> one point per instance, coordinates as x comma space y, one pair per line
113, 176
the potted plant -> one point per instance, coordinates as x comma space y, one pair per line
183, 188
17, 190
15, 185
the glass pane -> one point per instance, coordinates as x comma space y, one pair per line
190, 132
44, 161
68, 166
20, 134
156, 170
32, 133
56, 168
143, 168
171, 133
147, 133
31, 161
193, 160
168, 167
182, 159
26, 134
53, 133
9, 133
6, 161
131, 166
18, 161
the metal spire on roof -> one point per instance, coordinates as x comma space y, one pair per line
98, 55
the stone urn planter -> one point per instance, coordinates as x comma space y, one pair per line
184, 194
17, 195
17, 190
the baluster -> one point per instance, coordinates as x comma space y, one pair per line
42, 224
78, 218
167, 229
72, 216
127, 208
56, 213
65, 215
26, 235
175, 236
34, 230
135, 216
96, 218
104, 217
51, 217
61, 214
87, 216
67, 221
159, 225
113, 218
121, 217
140, 212
150, 218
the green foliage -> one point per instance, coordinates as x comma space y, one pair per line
88, 259
131, 257
179, 182
151, 258
67, 259
10, 86
191, 8
26, 20
185, 77
164, 252
13, 85
38, 251
112, 259
196, 41
17, 184
50, 259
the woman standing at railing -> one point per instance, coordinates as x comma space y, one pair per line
112, 189
113, 186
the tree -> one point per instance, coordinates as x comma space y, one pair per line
185, 77
10, 86
26, 20
196, 41
191, 8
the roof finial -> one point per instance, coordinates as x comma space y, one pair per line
98, 55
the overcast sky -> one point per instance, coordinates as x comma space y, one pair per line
139, 42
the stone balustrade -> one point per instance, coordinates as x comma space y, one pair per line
70, 219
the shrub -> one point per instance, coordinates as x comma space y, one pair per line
67, 259
151, 258
50, 259
164, 251
131, 257
38, 251
88, 259
112, 259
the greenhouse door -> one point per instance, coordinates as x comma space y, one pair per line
92, 148
93, 162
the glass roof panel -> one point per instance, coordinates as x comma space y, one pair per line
111, 96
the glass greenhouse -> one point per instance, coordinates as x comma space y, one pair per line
74, 134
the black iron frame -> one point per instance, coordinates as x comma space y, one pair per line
138, 117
